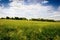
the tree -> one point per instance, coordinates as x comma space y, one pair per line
17, 18
7, 17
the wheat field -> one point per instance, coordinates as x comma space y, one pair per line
29, 30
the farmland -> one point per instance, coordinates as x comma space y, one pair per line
29, 30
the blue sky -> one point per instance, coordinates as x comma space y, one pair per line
4, 2
49, 9
54, 3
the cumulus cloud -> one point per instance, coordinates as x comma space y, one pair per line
19, 9
56, 14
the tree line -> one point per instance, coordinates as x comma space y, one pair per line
14, 18
32, 19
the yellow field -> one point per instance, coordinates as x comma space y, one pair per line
29, 30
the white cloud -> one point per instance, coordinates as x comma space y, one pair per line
45, 2
19, 9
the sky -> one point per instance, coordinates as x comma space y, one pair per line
47, 9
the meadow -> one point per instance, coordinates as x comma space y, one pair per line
29, 30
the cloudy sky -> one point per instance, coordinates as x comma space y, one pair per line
49, 9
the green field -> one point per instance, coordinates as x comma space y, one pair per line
29, 30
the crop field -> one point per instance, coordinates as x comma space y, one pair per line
29, 30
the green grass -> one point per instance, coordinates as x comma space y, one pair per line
29, 30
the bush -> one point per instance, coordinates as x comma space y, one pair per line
33, 19
48, 20
12, 18
2, 18
23, 18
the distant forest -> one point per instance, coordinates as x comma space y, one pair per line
32, 19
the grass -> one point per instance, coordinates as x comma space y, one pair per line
29, 30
